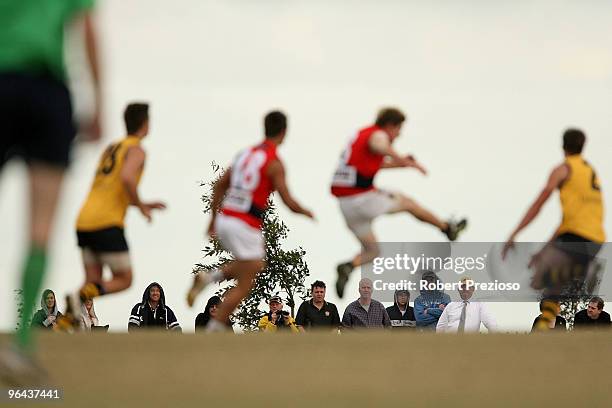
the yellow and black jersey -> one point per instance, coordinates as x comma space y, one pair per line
108, 199
581, 201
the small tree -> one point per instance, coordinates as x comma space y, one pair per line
284, 274
574, 298
570, 306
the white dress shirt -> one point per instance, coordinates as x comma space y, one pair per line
475, 313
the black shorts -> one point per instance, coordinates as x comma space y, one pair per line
35, 119
581, 250
104, 240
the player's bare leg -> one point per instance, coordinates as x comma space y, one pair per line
449, 228
369, 251
16, 365
244, 272
94, 285
202, 279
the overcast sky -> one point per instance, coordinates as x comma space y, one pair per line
488, 90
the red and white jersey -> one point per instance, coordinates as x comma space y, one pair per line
250, 186
358, 165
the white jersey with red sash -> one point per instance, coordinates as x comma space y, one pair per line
250, 186
358, 166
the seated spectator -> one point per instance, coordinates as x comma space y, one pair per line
316, 313
48, 314
277, 319
153, 312
88, 315
365, 312
549, 308
430, 304
401, 314
465, 315
209, 311
593, 317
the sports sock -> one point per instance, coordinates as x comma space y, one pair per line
31, 280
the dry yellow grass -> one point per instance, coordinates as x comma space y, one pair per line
358, 369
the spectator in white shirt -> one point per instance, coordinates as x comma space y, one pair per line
465, 315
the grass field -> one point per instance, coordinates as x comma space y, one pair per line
360, 369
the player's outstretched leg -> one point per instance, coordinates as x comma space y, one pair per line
202, 279
94, 285
452, 229
369, 251
244, 272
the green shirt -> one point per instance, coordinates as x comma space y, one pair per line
32, 34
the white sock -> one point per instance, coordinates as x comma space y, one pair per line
214, 326
215, 276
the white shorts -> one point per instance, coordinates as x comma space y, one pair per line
245, 242
360, 210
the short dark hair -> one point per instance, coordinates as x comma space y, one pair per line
599, 301
275, 123
390, 116
573, 141
135, 116
317, 284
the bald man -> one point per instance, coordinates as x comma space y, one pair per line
366, 312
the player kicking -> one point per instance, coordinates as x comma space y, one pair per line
240, 199
566, 257
100, 223
360, 202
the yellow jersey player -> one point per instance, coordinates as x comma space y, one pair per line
101, 221
565, 259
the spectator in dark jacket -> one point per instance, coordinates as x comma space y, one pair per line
430, 304
209, 311
593, 317
153, 312
47, 315
401, 314
551, 307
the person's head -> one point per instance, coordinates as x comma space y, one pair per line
596, 305
402, 297
318, 291
275, 126
213, 305
49, 299
466, 288
573, 141
429, 277
552, 304
390, 120
154, 293
136, 117
365, 289
88, 304
276, 304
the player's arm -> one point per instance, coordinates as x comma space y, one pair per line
379, 143
556, 178
276, 171
85, 22
132, 165
219, 189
